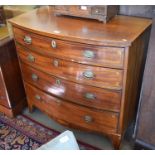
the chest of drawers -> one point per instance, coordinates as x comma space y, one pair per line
82, 73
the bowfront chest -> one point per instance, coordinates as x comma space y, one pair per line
80, 72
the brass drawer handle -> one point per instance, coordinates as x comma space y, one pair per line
90, 96
31, 58
27, 39
88, 119
88, 74
37, 97
89, 54
53, 44
34, 77
56, 63
58, 81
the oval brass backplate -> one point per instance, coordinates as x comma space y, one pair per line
88, 74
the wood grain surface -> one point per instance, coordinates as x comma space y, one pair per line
121, 31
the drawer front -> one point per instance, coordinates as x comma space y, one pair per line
82, 53
72, 114
3, 96
85, 95
89, 75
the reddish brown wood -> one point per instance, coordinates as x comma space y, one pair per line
117, 71
103, 99
103, 56
11, 86
100, 12
135, 58
98, 121
102, 77
120, 31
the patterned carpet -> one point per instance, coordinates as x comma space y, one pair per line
23, 133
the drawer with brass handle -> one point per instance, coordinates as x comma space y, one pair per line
75, 72
81, 53
71, 113
84, 95
27, 39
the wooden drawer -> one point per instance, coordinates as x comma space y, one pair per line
89, 75
71, 114
3, 95
81, 53
85, 95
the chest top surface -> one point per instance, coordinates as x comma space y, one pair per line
120, 31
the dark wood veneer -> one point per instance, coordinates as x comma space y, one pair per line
103, 56
100, 121
52, 48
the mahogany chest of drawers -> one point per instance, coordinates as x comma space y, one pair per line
82, 73
12, 95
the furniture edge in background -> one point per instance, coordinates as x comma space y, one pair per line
11, 79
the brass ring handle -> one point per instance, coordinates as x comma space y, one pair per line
88, 74
58, 81
34, 77
53, 44
88, 119
27, 39
31, 58
89, 54
37, 97
90, 96
56, 63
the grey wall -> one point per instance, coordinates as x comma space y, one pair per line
137, 10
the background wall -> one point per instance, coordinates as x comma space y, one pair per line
137, 10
